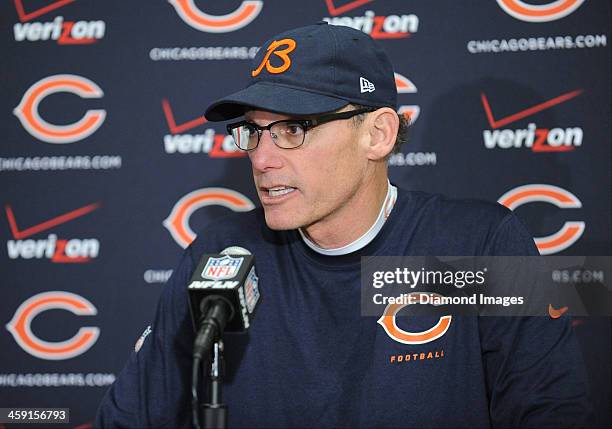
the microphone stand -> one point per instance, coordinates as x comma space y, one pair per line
208, 347
214, 413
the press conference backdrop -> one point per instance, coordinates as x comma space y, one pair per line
108, 169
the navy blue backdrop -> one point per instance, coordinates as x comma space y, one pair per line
107, 167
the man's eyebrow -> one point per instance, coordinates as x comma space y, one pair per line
251, 121
248, 119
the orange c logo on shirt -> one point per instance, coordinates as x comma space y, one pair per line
20, 325
178, 220
281, 53
539, 13
27, 110
195, 18
571, 230
387, 321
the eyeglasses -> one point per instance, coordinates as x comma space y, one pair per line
287, 133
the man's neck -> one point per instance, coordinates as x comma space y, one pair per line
354, 219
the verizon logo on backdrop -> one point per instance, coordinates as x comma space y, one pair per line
394, 26
180, 141
503, 135
59, 29
27, 243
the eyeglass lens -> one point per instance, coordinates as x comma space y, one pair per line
285, 134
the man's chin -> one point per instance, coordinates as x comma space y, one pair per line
280, 223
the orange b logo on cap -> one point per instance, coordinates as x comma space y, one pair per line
281, 53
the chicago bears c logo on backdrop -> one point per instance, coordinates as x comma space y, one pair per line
178, 220
27, 110
195, 18
539, 13
387, 321
281, 53
571, 230
20, 325
405, 86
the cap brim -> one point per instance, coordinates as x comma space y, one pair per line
273, 98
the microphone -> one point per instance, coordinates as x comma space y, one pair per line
223, 294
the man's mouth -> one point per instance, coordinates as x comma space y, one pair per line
277, 191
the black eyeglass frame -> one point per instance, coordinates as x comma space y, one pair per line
305, 123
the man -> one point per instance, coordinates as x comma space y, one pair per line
319, 124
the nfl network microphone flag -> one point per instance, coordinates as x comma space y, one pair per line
232, 278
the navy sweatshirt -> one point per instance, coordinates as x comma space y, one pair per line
311, 360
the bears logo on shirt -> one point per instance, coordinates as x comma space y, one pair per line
387, 321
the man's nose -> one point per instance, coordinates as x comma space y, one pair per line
266, 155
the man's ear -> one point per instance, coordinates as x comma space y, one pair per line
382, 124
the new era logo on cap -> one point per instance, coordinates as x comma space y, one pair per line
366, 85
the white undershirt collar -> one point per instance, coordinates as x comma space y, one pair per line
369, 235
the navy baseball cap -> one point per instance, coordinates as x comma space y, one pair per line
314, 69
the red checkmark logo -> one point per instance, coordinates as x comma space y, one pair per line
26, 16
48, 224
335, 11
496, 123
177, 129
